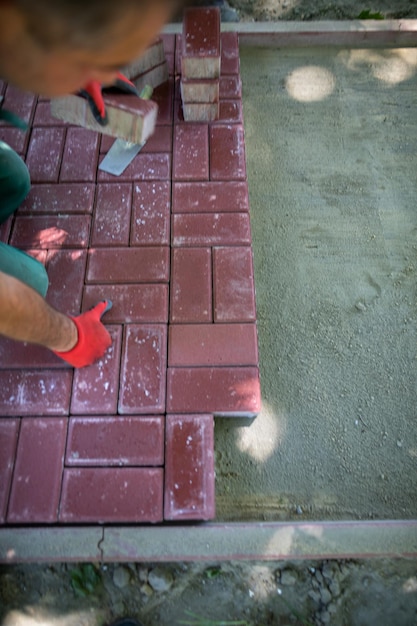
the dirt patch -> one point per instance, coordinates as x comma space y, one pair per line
246, 594
273, 10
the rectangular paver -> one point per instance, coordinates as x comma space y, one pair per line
189, 468
143, 369
66, 295
45, 153
128, 265
191, 152
227, 152
63, 198
45, 231
111, 224
42, 392
124, 441
233, 284
131, 303
36, 485
117, 495
151, 213
196, 345
95, 389
224, 391
9, 431
210, 197
191, 285
79, 161
201, 47
210, 229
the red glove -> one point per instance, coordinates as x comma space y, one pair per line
93, 338
93, 92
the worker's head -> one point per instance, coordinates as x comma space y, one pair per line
54, 47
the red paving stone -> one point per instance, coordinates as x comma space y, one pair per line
62, 198
105, 441
189, 467
130, 438
36, 484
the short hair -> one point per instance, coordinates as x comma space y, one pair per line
79, 22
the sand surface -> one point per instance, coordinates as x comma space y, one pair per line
331, 150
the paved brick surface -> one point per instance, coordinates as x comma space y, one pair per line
130, 438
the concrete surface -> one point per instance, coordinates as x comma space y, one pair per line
332, 160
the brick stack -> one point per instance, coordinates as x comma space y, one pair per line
150, 69
200, 64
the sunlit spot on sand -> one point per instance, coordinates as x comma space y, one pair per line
391, 67
310, 83
264, 435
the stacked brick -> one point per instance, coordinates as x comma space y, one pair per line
131, 119
200, 64
150, 69
130, 439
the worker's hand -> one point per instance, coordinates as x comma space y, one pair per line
93, 338
93, 91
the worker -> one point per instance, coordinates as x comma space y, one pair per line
54, 48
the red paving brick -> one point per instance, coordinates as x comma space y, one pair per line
20, 102
111, 224
191, 152
191, 285
145, 166
62, 198
98, 495
15, 138
210, 229
26, 392
128, 265
201, 43
45, 153
36, 485
151, 214
189, 468
228, 391
9, 430
210, 197
197, 345
233, 285
51, 231
227, 153
18, 355
143, 369
79, 161
105, 441
130, 438
131, 303
95, 388
66, 295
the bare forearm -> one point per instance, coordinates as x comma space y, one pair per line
26, 316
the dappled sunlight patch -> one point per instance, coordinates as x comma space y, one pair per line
391, 67
410, 585
264, 435
282, 542
310, 83
51, 237
38, 616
